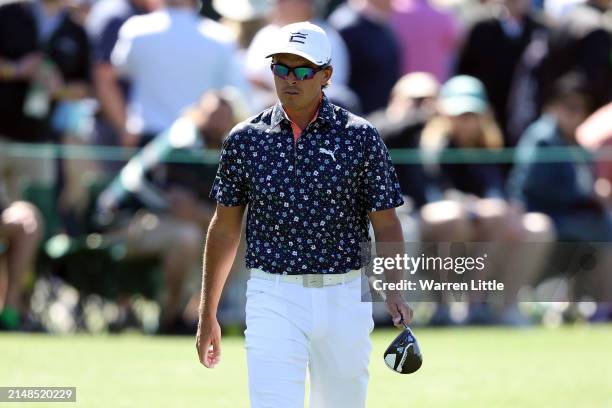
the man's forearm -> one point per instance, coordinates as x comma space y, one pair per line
110, 96
204, 214
219, 254
390, 243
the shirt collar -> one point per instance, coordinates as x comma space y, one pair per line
326, 112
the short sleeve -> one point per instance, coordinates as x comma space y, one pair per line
381, 189
104, 44
122, 54
230, 187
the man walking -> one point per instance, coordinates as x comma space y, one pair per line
312, 175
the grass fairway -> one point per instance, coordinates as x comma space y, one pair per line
568, 367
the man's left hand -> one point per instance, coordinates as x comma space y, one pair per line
398, 309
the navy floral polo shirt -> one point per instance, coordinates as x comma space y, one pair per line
308, 201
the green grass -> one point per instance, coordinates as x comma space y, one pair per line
567, 367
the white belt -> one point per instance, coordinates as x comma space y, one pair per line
309, 280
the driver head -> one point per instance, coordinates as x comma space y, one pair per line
404, 355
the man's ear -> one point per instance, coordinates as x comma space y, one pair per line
327, 74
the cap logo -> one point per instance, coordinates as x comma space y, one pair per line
297, 37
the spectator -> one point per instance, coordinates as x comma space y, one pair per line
20, 232
581, 41
494, 47
596, 134
287, 12
67, 52
103, 24
563, 190
465, 123
467, 200
45, 59
20, 61
245, 18
20, 64
428, 37
171, 199
412, 104
372, 48
171, 56
66, 49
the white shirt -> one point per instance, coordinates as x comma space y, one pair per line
171, 58
102, 12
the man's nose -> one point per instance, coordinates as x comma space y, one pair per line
291, 77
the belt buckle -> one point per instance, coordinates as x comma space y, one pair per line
312, 280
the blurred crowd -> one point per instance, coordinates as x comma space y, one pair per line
142, 90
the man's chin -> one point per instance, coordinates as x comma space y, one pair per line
292, 101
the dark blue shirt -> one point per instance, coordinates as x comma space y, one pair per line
554, 188
308, 200
562, 189
374, 56
104, 23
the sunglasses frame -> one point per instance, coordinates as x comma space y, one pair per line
292, 69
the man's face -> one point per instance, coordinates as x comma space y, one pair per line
294, 94
465, 129
571, 111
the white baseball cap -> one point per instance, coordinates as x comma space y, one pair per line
304, 39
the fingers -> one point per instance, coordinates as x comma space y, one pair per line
395, 314
214, 354
406, 313
400, 313
209, 351
200, 347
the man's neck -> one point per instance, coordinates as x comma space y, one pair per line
304, 116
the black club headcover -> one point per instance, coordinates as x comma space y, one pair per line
404, 355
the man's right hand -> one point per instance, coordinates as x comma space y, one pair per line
208, 341
398, 309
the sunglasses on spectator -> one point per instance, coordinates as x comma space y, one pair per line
300, 73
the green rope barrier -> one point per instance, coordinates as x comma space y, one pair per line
399, 156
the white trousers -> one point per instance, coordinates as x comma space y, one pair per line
290, 328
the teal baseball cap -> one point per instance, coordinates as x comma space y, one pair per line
463, 94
